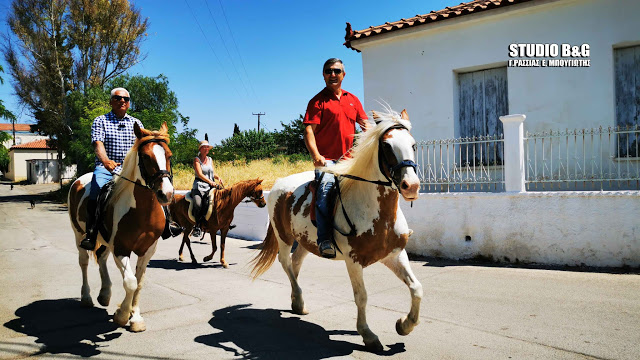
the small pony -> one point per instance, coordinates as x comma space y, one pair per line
225, 201
382, 168
133, 221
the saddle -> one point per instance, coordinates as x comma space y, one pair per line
208, 201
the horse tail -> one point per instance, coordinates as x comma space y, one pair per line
268, 253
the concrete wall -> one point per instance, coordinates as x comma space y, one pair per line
559, 228
552, 228
417, 68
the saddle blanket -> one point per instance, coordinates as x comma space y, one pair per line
189, 199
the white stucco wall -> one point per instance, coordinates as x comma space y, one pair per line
551, 228
557, 228
416, 68
18, 162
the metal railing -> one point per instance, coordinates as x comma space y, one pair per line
462, 164
586, 159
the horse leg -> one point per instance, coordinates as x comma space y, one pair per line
185, 237
137, 322
400, 266
83, 261
223, 237
193, 258
284, 256
105, 291
130, 283
212, 235
371, 341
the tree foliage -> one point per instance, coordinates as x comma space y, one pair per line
291, 137
60, 46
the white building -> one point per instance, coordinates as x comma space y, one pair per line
450, 68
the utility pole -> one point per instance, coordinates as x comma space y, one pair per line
258, 119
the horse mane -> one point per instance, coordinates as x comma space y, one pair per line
235, 192
364, 154
130, 169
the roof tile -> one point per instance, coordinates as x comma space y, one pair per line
467, 8
19, 127
36, 145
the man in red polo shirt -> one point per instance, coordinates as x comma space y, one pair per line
330, 121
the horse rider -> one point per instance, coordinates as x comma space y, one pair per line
112, 136
204, 181
330, 121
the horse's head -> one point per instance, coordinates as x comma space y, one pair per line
154, 161
256, 195
397, 158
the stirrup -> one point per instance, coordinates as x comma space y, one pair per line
88, 244
326, 249
196, 232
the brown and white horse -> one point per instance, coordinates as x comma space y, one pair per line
225, 201
379, 232
133, 221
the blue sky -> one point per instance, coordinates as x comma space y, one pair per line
267, 55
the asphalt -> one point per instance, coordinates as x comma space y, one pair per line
469, 310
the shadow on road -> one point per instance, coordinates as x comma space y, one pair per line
62, 326
264, 333
173, 264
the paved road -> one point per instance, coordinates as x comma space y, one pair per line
469, 311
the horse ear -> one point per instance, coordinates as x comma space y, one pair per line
260, 181
164, 128
137, 131
206, 136
404, 115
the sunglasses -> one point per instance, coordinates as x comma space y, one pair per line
333, 71
118, 98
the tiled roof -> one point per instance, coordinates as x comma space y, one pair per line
449, 12
36, 145
19, 127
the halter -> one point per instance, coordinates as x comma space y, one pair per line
150, 179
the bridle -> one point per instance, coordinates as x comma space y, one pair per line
383, 164
158, 175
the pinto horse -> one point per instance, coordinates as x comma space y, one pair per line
133, 221
369, 223
225, 201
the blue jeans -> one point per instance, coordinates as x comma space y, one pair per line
324, 215
100, 177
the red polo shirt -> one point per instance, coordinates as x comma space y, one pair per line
336, 119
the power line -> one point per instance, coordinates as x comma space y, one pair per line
225, 47
238, 51
211, 47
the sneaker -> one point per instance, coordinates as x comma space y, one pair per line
196, 232
326, 249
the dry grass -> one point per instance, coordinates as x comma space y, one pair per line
231, 172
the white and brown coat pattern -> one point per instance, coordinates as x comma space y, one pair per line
381, 229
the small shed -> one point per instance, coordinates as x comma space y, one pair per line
35, 162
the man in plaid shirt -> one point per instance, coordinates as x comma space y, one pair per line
112, 136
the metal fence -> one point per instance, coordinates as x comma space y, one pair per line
587, 159
462, 164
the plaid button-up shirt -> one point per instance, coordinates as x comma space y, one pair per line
116, 135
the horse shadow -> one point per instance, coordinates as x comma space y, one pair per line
62, 326
265, 334
174, 264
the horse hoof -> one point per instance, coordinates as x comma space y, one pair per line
119, 319
207, 258
104, 300
299, 310
194, 261
180, 258
225, 265
374, 346
86, 302
138, 326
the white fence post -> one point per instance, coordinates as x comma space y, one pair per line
514, 170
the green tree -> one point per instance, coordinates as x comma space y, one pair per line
248, 144
291, 137
4, 152
56, 47
185, 145
236, 129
